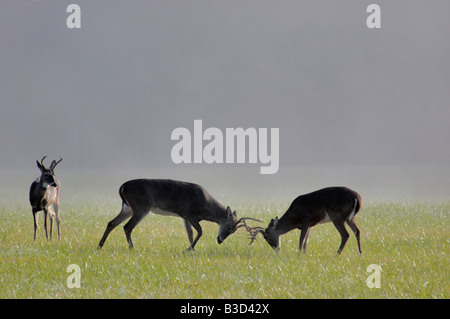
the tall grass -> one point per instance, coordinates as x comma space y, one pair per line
409, 241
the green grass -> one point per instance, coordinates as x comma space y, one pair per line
409, 241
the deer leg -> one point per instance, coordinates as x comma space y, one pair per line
304, 234
35, 220
189, 231
124, 214
305, 242
56, 209
354, 228
340, 226
45, 222
51, 224
128, 228
51, 211
58, 224
198, 228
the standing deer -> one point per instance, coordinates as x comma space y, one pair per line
44, 195
172, 198
338, 205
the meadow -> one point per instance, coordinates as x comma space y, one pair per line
409, 241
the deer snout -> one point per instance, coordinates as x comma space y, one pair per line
219, 240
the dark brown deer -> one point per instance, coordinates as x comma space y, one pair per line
44, 195
189, 201
338, 205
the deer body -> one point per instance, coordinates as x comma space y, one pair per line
338, 205
189, 201
44, 195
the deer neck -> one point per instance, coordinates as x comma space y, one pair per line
284, 226
217, 213
41, 188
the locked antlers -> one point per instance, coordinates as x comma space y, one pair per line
253, 231
242, 220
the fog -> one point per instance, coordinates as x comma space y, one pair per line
368, 108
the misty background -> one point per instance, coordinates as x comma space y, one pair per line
365, 108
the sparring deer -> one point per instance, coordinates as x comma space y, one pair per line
44, 195
166, 197
338, 205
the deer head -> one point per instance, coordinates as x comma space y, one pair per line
231, 224
270, 234
48, 174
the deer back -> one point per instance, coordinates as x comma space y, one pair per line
183, 198
320, 206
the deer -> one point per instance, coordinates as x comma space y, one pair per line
167, 197
338, 205
44, 195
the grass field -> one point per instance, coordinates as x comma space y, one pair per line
410, 242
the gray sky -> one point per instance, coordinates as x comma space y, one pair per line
108, 95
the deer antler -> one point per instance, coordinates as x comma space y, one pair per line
243, 219
42, 160
253, 231
56, 163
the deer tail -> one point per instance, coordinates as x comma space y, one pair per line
122, 195
356, 207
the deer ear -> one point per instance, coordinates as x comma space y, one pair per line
41, 168
234, 214
53, 164
228, 211
275, 222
